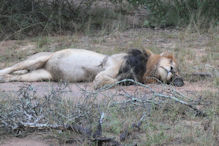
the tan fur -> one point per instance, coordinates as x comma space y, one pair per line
158, 66
72, 65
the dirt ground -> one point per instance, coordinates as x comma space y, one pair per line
194, 52
75, 89
25, 142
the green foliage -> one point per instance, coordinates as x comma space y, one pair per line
39, 16
34, 17
165, 13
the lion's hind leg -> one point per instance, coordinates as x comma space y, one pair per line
36, 75
32, 63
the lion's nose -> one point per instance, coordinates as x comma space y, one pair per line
171, 69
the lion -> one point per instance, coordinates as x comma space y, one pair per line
80, 65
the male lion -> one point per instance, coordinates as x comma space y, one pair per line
76, 65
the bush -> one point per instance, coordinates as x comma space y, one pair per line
41, 16
165, 13
33, 17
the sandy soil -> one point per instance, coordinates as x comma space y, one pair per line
25, 142
75, 91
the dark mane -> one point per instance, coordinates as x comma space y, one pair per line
134, 66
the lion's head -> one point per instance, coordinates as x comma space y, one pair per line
162, 67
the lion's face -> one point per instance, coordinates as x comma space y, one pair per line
167, 70
163, 67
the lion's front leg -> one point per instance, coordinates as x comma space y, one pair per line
150, 80
103, 79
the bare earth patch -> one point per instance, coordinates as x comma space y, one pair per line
24, 141
74, 91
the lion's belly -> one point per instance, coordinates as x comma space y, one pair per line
75, 65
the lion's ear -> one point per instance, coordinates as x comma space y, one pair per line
148, 52
167, 54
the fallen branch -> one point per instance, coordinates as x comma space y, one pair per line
193, 77
98, 131
74, 127
110, 141
198, 112
199, 74
137, 125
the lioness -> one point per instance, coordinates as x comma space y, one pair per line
76, 65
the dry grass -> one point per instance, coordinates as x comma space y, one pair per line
169, 124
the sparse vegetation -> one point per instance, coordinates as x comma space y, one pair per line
193, 37
136, 118
20, 18
199, 13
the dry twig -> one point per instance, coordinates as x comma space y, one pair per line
51, 112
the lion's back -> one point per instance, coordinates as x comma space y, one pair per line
70, 64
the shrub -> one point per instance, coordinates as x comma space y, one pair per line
33, 17
165, 13
40, 16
